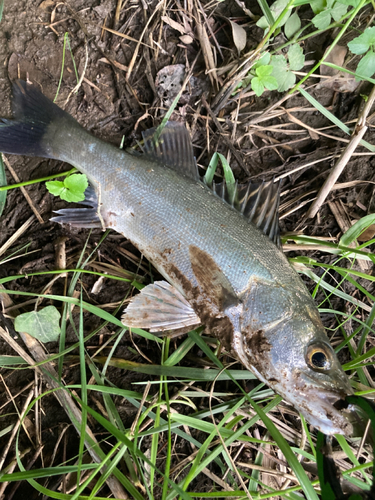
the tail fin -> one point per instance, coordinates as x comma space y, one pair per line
32, 115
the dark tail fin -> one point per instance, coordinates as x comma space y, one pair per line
33, 113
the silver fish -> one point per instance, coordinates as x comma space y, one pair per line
214, 248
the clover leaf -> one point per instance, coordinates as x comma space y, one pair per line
71, 189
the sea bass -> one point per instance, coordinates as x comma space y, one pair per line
216, 248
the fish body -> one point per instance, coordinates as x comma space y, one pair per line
222, 270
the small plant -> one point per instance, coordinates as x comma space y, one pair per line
275, 72
71, 189
326, 10
44, 325
364, 44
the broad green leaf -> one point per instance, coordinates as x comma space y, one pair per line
72, 189
366, 66
55, 187
43, 325
257, 86
318, 5
285, 79
292, 25
76, 183
270, 82
296, 57
279, 64
338, 11
262, 71
363, 42
287, 82
67, 195
263, 60
322, 20
358, 228
262, 23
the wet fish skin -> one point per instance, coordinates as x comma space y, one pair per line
238, 282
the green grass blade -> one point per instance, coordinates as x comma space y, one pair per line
180, 372
288, 453
3, 179
357, 229
333, 118
211, 169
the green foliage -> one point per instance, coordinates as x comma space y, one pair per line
326, 11
71, 189
43, 325
276, 9
292, 25
276, 72
364, 44
263, 79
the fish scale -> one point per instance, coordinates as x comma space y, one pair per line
222, 269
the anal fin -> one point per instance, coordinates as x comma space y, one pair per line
160, 307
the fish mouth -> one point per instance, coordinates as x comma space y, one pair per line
327, 410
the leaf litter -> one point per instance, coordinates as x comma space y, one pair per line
133, 57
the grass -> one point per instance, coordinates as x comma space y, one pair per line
196, 425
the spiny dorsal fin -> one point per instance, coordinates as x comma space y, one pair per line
173, 148
258, 202
160, 307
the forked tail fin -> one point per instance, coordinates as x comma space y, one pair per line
28, 133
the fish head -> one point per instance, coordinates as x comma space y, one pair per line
281, 339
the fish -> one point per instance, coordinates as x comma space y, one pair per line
217, 247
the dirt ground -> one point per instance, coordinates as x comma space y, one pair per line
120, 96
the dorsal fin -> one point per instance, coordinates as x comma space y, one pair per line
258, 202
172, 148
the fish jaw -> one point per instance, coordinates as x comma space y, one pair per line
321, 407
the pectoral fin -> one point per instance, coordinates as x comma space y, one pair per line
160, 307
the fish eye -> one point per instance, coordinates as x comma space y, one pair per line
319, 356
